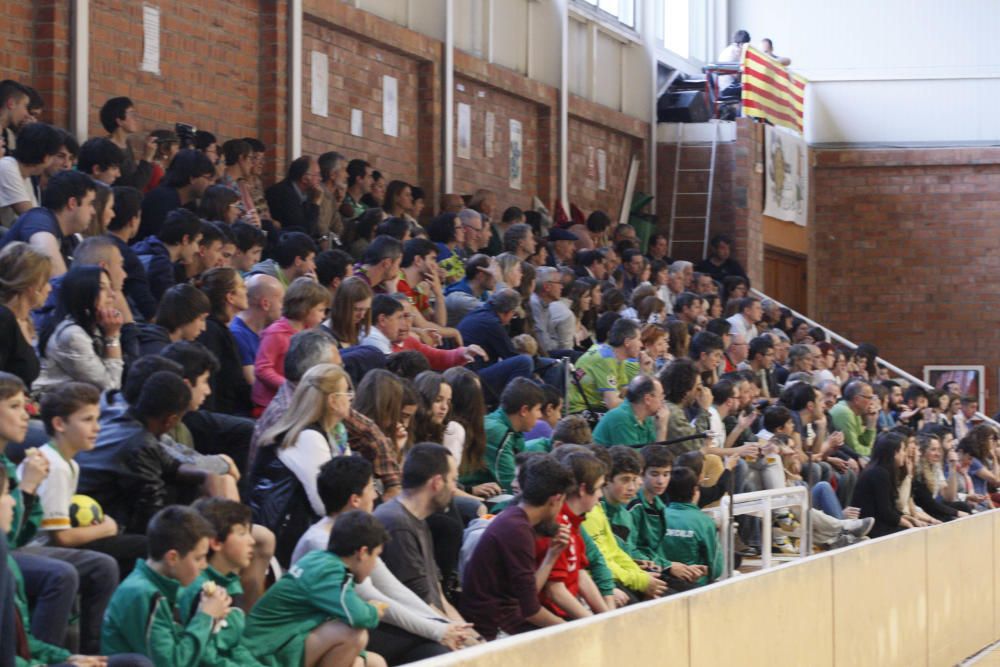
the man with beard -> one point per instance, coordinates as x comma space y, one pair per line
430, 474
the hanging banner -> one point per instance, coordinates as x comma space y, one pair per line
771, 92
786, 175
516, 155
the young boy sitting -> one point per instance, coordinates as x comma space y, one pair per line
690, 537
568, 581
520, 407
650, 520
551, 414
70, 414
231, 549
140, 618
312, 616
570, 430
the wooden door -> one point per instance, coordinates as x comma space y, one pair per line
785, 278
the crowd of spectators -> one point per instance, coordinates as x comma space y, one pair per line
249, 424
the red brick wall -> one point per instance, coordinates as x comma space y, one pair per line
904, 253
737, 200
16, 30
493, 173
355, 69
210, 64
585, 138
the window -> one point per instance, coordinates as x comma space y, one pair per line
622, 11
683, 27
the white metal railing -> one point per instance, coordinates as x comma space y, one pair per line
833, 335
762, 503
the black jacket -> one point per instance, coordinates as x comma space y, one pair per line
152, 338
875, 497
230, 391
289, 209
127, 471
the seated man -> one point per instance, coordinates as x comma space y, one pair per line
467, 294
67, 209
605, 368
641, 418
181, 315
430, 473
122, 229
176, 241
37, 147
500, 585
190, 173
294, 201
683, 391
485, 327
555, 324
292, 258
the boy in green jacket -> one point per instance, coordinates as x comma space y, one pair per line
690, 537
231, 549
312, 615
140, 618
649, 517
520, 408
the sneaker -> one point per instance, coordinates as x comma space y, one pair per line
843, 540
858, 527
787, 523
783, 546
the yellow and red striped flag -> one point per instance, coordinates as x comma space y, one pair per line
772, 92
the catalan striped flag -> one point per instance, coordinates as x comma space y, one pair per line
772, 92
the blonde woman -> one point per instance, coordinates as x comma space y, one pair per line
284, 496
511, 271
24, 286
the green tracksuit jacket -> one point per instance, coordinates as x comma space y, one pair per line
318, 588
41, 652
140, 619
503, 444
691, 539
26, 523
227, 648
650, 521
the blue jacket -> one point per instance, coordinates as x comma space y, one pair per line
155, 259
483, 327
136, 286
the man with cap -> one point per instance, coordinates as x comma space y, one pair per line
562, 245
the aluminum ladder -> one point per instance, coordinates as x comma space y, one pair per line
707, 218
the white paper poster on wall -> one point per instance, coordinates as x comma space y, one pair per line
390, 106
320, 79
786, 175
150, 40
356, 123
464, 150
516, 154
602, 169
490, 133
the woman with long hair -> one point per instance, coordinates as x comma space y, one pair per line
524, 321
581, 303
932, 491
284, 497
510, 270
24, 286
433, 410
380, 397
81, 341
679, 339
467, 428
104, 210
231, 384
351, 312
398, 199
878, 485
219, 204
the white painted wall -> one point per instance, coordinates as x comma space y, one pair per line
887, 71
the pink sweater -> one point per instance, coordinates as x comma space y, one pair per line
269, 366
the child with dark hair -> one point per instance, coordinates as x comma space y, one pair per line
569, 584
312, 616
552, 409
230, 549
520, 408
690, 535
140, 618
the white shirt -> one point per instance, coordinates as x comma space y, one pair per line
454, 439
377, 339
310, 451
14, 188
731, 54
56, 491
717, 427
739, 325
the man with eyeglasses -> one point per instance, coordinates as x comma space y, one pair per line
475, 232
855, 416
555, 323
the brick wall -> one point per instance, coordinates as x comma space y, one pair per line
210, 64
16, 33
737, 200
904, 253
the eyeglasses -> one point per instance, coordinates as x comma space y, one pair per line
349, 394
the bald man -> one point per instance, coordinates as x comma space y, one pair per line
264, 296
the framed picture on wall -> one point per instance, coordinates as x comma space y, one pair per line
970, 379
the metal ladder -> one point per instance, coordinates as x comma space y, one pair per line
708, 194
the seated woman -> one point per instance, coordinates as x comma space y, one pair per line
931, 490
181, 315
305, 305
81, 342
24, 286
284, 497
878, 486
465, 433
227, 295
350, 314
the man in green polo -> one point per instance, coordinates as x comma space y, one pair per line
641, 418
